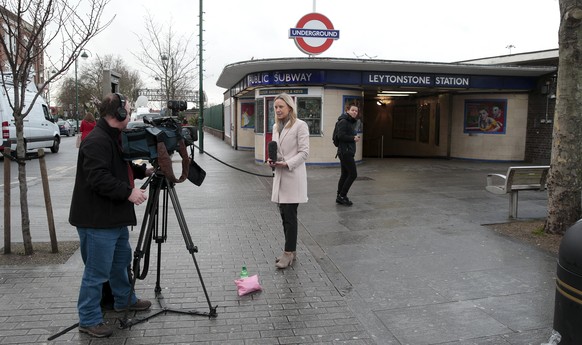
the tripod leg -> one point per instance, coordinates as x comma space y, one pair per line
188, 240
143, 244
161, 238
148, 223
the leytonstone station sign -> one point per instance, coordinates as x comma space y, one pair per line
314, 33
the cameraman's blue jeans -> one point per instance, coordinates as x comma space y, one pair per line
107, 255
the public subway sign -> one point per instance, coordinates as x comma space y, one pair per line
285, 78
376, 78
314, 33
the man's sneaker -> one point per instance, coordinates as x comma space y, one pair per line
343, 200
140, 305
98, 331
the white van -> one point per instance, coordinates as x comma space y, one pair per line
40, 129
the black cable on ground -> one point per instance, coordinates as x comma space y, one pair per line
233, 167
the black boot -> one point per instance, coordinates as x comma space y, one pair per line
343, 200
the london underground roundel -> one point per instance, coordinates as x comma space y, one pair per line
314, 33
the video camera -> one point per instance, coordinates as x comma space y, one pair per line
141, 142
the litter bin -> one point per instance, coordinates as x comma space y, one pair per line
568, 304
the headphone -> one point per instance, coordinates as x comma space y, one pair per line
121, 113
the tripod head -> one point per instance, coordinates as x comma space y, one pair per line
149, 179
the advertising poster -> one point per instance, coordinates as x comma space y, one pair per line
487, 116
247, 115
423, 123
404, 123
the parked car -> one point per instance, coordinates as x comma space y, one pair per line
74, 124
65, 128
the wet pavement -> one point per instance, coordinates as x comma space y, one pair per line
409, 263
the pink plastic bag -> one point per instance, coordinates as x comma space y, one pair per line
248, 285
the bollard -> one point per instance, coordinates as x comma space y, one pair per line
568, 303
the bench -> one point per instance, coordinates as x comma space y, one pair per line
518, 179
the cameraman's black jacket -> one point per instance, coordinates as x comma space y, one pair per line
102, 183
346, 134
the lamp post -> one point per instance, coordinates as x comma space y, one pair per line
164, 59
161, 100
48, 87
84, 56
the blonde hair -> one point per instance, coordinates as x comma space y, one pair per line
292, 114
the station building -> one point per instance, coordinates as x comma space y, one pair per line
492, 109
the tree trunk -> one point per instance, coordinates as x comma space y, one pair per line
21, 155
564, 182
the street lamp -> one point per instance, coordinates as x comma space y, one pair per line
164, 59
160, 93
48, 87
84, 56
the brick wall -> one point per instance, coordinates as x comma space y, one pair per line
538, 145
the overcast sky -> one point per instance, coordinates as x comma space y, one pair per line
411, 30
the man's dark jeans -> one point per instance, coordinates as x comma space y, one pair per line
348, 174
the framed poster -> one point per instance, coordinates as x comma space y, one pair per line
404, 123
247, 117
423, 122
260, 116
437, 124
487, 116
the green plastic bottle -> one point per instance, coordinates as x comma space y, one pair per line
244, 273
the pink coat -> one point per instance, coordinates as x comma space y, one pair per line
290, 183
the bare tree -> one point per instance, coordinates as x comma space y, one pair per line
31, 26
564, 183
169, 57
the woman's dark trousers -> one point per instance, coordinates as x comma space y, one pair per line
289, 218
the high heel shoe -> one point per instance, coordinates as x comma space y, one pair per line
277, 259
285, 260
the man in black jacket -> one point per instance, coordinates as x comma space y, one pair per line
102, 208
347, 138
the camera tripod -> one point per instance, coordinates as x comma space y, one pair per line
150, 230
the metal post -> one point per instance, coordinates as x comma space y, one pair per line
201, 91
7, 226
76, 94
164, 59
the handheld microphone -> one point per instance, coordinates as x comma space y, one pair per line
272, 147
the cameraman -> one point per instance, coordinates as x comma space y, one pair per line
102, 208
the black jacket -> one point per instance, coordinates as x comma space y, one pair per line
102, 183
345, 133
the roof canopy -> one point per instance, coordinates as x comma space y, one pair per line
234, 73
